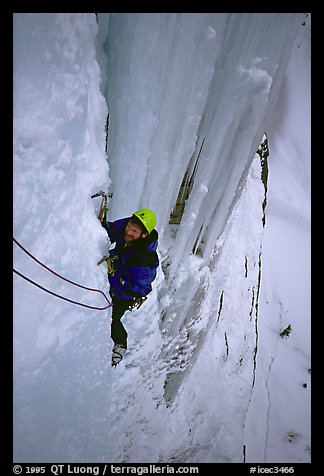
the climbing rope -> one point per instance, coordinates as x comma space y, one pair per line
64, 279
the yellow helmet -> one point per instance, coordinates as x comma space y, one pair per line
147, 217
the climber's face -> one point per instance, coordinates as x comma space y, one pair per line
133, 232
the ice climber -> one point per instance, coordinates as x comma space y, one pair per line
132, 266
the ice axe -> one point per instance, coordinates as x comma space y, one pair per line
103, 207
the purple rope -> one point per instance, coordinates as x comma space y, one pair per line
64, 279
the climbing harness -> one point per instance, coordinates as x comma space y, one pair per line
64, 279
137, 302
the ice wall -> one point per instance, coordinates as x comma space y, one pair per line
190, 92
56, 81
59, 161
189, 95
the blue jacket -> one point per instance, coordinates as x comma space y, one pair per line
135, 265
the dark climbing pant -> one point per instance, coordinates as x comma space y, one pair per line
118, 332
